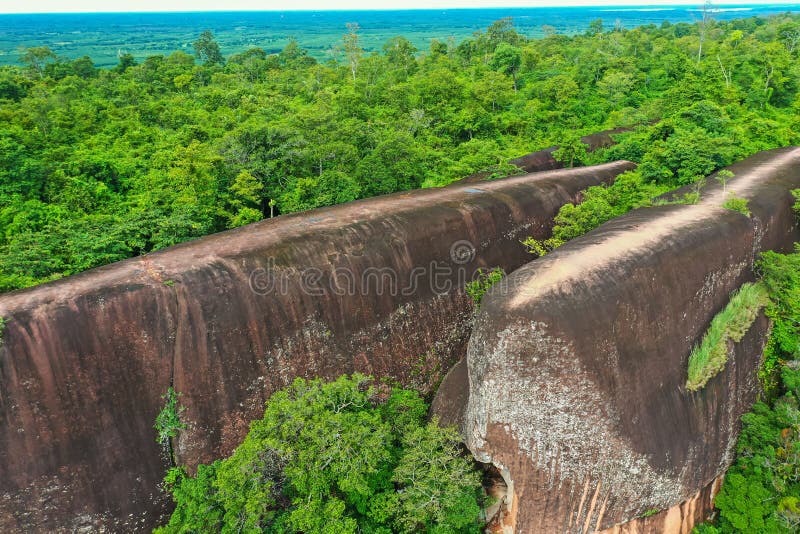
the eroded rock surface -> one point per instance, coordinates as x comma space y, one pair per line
543, 160
679, 519
577, 365
374, 286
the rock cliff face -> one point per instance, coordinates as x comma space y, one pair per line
577, 364
543, 160
679, 519
374, 286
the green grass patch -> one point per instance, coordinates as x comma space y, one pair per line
737, 204
483, 282
685, 199
541, 247
709, 357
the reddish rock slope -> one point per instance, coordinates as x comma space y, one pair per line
543, 160
577, 364
374, 286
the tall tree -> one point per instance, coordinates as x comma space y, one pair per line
507, 59
401, 54
703, 25
126, 61
207, 49
352, 47
36, 58
595, 27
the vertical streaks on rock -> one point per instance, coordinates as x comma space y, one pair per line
230, 318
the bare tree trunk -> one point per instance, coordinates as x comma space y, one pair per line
352, 47
703, 27
768, 72
726, 73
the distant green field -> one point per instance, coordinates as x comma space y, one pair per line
102, 36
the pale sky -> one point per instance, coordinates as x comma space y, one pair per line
83, 6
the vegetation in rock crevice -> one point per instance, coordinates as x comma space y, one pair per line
541, 247
169, 423
729, 326
483, 282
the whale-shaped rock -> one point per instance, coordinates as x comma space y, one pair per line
375, 286
577, 363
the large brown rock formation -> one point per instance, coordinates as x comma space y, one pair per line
374, 286
543, 160
577, 364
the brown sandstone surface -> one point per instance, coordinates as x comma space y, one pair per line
227, 320
543, 160
577, 364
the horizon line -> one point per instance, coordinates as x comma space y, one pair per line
596, 4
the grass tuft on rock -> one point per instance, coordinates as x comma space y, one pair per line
731, 324
739, 204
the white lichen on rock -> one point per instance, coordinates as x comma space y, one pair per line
559, 419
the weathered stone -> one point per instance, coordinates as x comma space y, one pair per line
452, 396
577, 365
680, 519
84, 360
543, 160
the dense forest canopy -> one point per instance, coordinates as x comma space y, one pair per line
101, 165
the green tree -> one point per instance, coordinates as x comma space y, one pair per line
438, 494
36, 58
126, 61
502, 31
245, 199
395, 164
615, 86
571, 151
207, 49
401, 54
723, 177
507, 59
595, 27
350, 456
789, 33
352, 47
